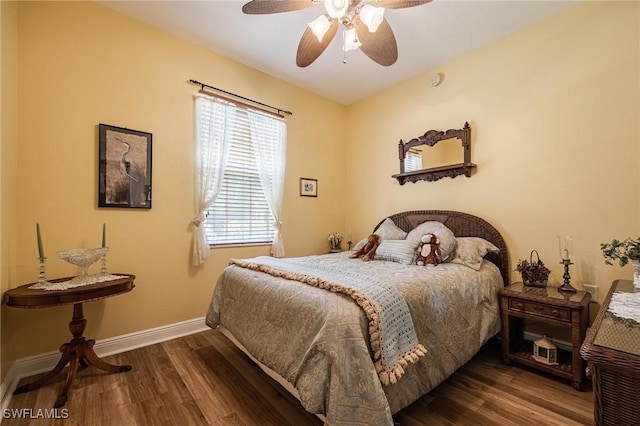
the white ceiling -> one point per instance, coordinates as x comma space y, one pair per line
427, 36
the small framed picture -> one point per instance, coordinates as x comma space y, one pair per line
124, 167
308, 187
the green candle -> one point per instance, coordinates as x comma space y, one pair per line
40, 247
104, 235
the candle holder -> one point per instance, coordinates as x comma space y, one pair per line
566, 286
41, 275
103, 267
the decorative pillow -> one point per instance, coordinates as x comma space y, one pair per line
389, 231
400, 251
471, 251
446, 236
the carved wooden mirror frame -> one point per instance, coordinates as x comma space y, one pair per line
430, 138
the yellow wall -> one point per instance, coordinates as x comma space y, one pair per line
8, 152
554, 113
81, 64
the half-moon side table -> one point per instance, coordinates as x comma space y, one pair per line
78, 350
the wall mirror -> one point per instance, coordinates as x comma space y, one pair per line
436, 155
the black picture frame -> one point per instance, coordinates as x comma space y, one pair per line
308, 187
124, 167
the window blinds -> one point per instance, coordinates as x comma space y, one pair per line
240, 213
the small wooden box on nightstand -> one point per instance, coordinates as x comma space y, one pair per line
552, 307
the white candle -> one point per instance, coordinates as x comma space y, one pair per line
565, 247
40, 246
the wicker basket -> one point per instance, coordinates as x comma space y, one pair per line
534, 273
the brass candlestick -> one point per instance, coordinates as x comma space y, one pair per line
566, 286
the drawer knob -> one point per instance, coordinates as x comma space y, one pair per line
519, 305
555, 313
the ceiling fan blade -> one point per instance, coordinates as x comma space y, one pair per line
398, 4
263, 7
381, 45
310, 48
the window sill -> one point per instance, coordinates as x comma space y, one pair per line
236, 245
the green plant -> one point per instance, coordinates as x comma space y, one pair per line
533, 272
621, 251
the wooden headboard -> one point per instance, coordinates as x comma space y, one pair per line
462, 225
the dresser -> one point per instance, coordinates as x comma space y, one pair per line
612, 351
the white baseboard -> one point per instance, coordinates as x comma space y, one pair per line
37, 364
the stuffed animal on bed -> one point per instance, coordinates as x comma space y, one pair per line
429, 251
369, 249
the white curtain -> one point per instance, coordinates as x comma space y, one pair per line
270, 150
214, 127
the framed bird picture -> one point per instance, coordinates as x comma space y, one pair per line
124, 167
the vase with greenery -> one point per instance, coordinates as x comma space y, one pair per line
623, 252
534, 272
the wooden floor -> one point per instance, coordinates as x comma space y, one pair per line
203, 379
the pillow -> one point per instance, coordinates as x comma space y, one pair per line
447, 239
389, 231
360, 244
471, 251
400, 251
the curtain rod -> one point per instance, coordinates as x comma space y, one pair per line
202, 86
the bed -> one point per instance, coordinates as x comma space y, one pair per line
318, 340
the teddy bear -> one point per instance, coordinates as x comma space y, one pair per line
369, 249
429, 253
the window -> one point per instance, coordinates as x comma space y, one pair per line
240, 213
413, 160
248, 148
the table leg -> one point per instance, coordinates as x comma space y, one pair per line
71, 375
79, 354
89, 356
64, 359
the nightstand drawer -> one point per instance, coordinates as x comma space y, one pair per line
540, 309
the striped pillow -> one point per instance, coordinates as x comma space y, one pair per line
400, 251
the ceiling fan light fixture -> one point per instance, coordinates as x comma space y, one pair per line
320, 26
351, 41
372, 16
336, 8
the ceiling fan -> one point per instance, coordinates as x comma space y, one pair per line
364, 26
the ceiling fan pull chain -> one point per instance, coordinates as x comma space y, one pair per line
344, 45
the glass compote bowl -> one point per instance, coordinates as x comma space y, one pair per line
83, 257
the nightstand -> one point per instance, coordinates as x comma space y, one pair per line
554, 308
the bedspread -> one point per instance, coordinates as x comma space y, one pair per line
392, 338
317, 340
